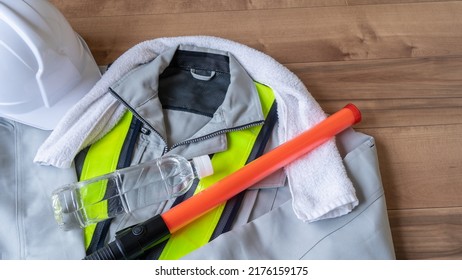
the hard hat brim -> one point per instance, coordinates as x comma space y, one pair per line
47, 118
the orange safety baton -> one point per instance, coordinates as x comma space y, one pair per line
260, 168
133, 241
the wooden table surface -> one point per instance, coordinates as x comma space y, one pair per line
399, 61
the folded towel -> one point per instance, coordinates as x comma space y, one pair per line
89, 120
318, 182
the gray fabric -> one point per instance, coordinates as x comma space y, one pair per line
139, 90
28, 229
362, 234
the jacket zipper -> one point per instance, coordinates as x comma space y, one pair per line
138, 116
195, 140
216, 133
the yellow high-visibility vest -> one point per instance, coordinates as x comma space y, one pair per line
198, 233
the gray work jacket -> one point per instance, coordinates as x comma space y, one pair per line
265, 226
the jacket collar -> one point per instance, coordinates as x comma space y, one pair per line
240, 108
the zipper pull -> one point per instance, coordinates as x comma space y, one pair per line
145, 131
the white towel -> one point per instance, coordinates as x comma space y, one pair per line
318, 182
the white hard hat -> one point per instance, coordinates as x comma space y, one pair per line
45, 67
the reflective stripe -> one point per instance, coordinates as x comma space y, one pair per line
240, 144
109, 148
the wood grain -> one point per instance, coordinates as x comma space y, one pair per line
389, 92
104, 8
296, 34
399, 61
403, 79
420, 165
427, 233
91, 8
380, 2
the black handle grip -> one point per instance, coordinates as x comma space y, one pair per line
104, 253
133, 241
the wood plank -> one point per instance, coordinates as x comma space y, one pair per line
378, 118
298, 34
392, 92
433, 233
420, 165
104, 8
413, 78
381, 2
